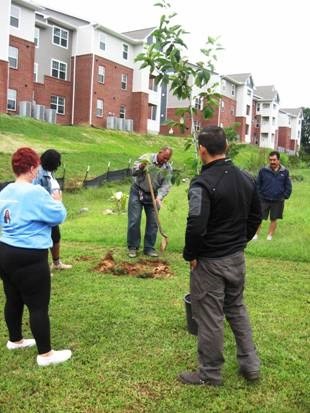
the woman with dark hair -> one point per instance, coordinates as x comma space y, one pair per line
24, 242
50, 161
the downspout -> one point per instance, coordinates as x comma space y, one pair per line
219, 113
73, 84
92, 83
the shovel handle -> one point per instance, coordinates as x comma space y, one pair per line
154, 204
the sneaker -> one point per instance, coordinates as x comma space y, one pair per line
269, 237
27, 342
153, 254
60, 266
132, 253
250, 375
55, 357
255, 237
194, 378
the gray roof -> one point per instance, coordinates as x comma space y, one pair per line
239, 77
59, 15
292, 111
266, 92
140, 34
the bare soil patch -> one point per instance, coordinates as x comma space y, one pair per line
143, 268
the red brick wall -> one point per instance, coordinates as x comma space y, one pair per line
3, 85
293, 145
140, 111
110, 91
241, 128
284, 137
21, 79
56, 87
227, 114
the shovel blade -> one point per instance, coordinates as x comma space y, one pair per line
163, 244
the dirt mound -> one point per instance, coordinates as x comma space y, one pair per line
143, 268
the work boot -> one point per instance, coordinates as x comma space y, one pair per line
151, 253
250, 376
132, 253
194, 378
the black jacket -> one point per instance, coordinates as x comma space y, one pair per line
224, 211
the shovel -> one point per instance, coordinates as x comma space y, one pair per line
164, 241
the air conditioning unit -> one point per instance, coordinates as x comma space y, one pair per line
120, 123
111, 122
38, 112
25, 108
50, 115
128, 125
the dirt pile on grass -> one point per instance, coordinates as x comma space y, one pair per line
143, 268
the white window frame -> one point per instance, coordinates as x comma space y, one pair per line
13, 57
198, 103
35, 71
197, 125
12, 95
124, 81
223, 84
57, 104
58, 69
102, 41
60, 36
15, 14
37, 37
122, 112
233, 89
125, 51
153, 112
99, 108
101, 74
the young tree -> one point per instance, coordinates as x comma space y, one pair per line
166, 59
305, 131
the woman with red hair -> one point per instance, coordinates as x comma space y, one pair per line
28, 213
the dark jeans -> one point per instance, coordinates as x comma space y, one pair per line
26, 281
216, 291
135, 207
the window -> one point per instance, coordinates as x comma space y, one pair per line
233, 90
15, 16
13, 57
266, 105
264, 135
247, 128
102, 41
125, 51
60, 37
273, 121
124, 82
197, 125
223, 84
152, 83
11, 99
36, 36
274, 106
35, 72
248, 109
265, 119
222, 106
99, 108
101, 74
198, 103
152, 112
258, 107
59, 69
58, 103
122, 112
249, 92
232, 111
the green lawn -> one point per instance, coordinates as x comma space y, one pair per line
128, 335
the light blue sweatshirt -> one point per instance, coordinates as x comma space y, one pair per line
27, 213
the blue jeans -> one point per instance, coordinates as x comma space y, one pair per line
135, 206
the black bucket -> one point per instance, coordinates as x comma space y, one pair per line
191, 323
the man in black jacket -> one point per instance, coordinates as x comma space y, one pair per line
224, 214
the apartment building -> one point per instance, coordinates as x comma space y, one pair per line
64, 69
82, 72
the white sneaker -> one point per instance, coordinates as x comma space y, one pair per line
255, 237
27, 342
60, 266
269, 237
55, 357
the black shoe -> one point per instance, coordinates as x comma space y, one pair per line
250, 376
153, 254
194, 378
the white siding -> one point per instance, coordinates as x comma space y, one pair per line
26, 24
5, 8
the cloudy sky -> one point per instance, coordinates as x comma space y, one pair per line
269, 38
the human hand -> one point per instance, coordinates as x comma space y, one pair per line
158, 203
57, 195
193, 264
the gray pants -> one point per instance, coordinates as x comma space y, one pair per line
216, 291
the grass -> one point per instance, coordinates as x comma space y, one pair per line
128, 335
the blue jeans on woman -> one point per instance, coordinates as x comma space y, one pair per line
136, 204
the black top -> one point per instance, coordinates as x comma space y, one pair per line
224, 211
